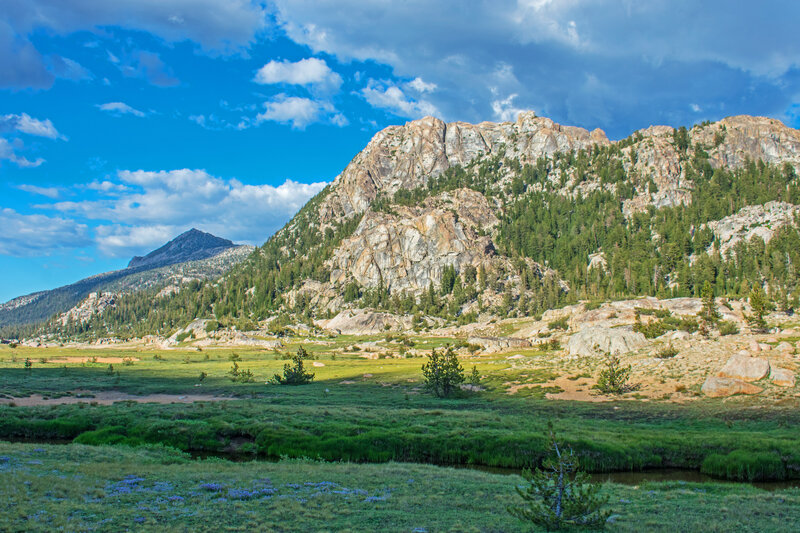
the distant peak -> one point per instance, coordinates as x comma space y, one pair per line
190, 245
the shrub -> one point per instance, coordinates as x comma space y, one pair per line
558, 496
561, 323
180, 337
613, 379
667, 352
211, 326
28, 363
726, 327
745, 465
294, 374
443, 373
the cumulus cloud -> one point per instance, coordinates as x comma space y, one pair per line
387, 96
50, 192
120, 108
141, 208
299, 111
311, 72
218, 26
584, 62
27, 235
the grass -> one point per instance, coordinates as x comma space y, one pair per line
81, 488
376, 411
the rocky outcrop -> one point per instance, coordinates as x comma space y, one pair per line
364, 322
753, 221
405, 157
742, 366
717, 387
95, 303
596, 340
498, 344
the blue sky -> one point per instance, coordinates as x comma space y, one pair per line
124, 123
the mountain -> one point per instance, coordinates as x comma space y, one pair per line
513, 218
192, 245
191, 255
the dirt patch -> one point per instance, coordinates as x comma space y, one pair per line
107, 398
104, 360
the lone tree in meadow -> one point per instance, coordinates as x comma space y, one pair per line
295, 373
614, 377
709, 314
558, 495
443, 373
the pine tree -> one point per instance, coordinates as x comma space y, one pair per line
758, 305
443, 372
558, 495
294, 374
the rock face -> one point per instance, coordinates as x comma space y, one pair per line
716, 387
742, 366
782, 377
753, 221
593, 341
409, 249
408, 156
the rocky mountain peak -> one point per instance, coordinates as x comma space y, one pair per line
191, 245
405, 157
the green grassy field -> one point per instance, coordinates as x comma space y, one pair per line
88, 488
375, 410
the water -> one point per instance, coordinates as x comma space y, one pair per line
623, 478
651, 475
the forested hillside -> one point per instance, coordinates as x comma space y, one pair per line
599, 221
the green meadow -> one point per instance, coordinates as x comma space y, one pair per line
353, 441
104, 488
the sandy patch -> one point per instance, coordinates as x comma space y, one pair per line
104, 360
107, 398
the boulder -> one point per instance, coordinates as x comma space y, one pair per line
754, 346
595, 340
782, 377
717, 387
742, 366
785, 347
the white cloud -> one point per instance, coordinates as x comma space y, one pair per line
25, 235
7, 152
120, 108
24, 123
390, 97
420, 86
50, 192
311, 71
298, 111
152, 207
504, 109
